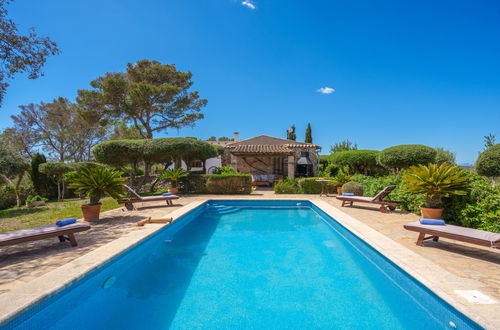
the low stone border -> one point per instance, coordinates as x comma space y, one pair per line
435, 278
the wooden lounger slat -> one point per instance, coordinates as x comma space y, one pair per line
463, 234
37, 233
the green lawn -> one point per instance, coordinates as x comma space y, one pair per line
24, 217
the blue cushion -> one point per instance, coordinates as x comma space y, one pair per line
166, 194
437, 222
348, 194
65, 222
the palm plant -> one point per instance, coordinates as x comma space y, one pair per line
173, 175
342, 177
97, 182
436, 181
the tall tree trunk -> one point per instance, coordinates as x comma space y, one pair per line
16, 188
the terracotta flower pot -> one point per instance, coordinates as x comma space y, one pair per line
173, 190
339, 191
429, 213
91, 212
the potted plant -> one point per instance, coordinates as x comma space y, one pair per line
95, 183
33, 201
173, 176
435, 182
341, 178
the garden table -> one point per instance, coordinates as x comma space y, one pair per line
324, 183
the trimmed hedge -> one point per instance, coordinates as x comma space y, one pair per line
231, 183
120, 153
406, 155
299, 186
360, 161
488, 162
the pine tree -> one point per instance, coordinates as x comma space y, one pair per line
309, 138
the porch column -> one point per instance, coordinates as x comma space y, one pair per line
291, 166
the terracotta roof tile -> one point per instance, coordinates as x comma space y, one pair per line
261, 149
265, 140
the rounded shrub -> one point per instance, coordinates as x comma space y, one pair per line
406, 155
488, 162
353, 187
361, 161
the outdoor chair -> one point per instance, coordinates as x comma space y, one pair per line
468, 235
65, 233
136, 198
385, 205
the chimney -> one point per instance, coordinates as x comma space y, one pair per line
236, 136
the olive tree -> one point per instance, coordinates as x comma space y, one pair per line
57, 171
12, 169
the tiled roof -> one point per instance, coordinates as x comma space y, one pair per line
267, 144
261, 149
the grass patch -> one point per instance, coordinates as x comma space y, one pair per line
23, 217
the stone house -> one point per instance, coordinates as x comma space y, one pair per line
267, 155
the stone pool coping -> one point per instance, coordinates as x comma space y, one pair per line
435, 278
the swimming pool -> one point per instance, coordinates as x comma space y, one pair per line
250, 265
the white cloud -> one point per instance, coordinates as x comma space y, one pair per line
326, 90
248, 4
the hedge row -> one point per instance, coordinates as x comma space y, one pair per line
216, 184
300, 186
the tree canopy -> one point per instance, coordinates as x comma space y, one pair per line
20, 52
488, 162
290, 133
345, 145
406, 155
360, 161
121, 153
149, 95
63, 129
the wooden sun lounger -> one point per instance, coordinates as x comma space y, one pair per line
385, 206
136, 198
65, 233
468, 235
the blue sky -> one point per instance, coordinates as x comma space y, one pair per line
403, 72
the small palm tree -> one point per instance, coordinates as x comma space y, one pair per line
97, 182
173, 175
436, 181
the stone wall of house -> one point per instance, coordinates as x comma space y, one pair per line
261, 165
313, 156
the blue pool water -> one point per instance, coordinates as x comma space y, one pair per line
247, 265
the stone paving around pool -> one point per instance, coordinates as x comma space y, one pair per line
22, 263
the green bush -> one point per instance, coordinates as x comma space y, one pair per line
224, 170
7, 197
353, 187
480, 208
488, 162
309, 186
193, 184
8, 194
359, 161
229, 184
36, 198
286, 186
41, 181
406, 155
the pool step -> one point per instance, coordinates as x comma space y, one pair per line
222, 209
